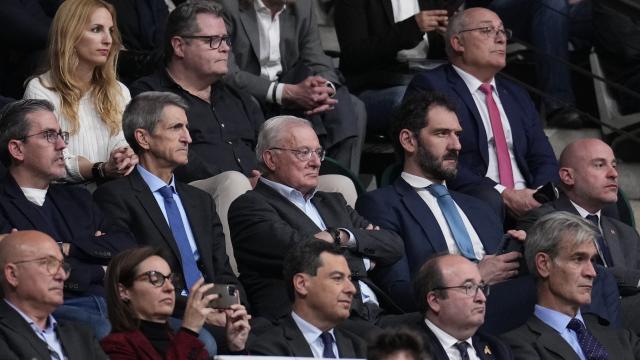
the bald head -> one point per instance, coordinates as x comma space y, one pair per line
22, 245
588, 171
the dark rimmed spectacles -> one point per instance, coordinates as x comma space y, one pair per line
214, 40
469, 289
490, 31
52, 264
304, 154
156, 278
51, 136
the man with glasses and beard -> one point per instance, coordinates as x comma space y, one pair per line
418, 206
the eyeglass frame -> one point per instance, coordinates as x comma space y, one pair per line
219, 38
150, 273
300, 154
507, 33
486, 289
66, 267
64, 135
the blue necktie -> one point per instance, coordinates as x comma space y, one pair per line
327, 341
451, 214
590, 346
462, 348
604, 249
188, 260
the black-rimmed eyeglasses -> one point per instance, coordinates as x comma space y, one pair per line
51, 136
52, 264
156, 278
490, 31
304, 154
214, 40
469, 289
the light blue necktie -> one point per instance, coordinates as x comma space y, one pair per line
188, 260
451, 214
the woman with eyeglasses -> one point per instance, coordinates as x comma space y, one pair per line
80, 81
141, 299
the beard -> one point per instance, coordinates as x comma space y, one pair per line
429, 164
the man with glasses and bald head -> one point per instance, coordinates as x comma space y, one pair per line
505, 154
285, 208
31, 147
33, 276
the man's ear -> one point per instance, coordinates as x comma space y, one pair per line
10, 273
543, 264
269, 160
300, 284
457, 44
567, 176
177, 43
16, 149
408, 140
433, 302
142, 138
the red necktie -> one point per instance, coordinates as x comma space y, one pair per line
502, 151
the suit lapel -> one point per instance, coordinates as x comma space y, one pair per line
513, 111
150, 205
329, 216
432, 342
612, 240
248, 18
24, 206
11, 319
283, 203
297, 343
461, 89
422, 214
550, 340
345, 346
388, 10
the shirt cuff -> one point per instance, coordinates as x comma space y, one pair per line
499, 188
351, 243
73, 168
275, 93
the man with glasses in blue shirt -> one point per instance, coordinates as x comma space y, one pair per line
286, 208
33, 276
31, 147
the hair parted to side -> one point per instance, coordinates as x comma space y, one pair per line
66, 29
392, 341
429, 278
271, 131
123, 269
14, 123
549, 232
145, 111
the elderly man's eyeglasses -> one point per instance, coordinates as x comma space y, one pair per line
469, 289
214, 40
490, 31
156, 278
304, 154
52, 264
51, 136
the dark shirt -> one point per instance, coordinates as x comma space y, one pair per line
224, 132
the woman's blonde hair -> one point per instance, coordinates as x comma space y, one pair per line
66, 29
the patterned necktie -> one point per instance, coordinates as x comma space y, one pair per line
454, 220
189, 267
604, 252
327, 342
590, 346
462, 348
505, 172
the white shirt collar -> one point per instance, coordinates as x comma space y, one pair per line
444, 338
583, 213
471, 81
310, 332
417, 182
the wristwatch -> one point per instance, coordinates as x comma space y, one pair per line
335, 234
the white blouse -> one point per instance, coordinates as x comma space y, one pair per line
93, 140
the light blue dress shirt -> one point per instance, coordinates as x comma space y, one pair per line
559, 321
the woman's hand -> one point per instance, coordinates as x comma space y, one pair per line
197, 309
237, 327
121, 162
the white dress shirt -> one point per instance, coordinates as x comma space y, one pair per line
473, 84
269, 56
402, 10
448, 343
419, 184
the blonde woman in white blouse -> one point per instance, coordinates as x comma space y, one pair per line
81, 84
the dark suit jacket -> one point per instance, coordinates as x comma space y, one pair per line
286, 339
131, 205
299, 43
18, 341
537, 340
88, 253
623, 242
399, 208
135, 345
532, 150
264, 225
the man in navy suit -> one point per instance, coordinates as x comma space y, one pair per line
426, 133
476, 47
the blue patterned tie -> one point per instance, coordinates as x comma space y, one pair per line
188, 260
451, 214
327, 341
590, 346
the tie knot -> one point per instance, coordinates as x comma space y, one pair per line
575, 325
462, 348
166, 192
438, 190
486, 88
593, 218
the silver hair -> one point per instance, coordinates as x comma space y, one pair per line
549, 232
457, 23
271, 133
145, 111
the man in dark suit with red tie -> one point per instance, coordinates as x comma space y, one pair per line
505, 154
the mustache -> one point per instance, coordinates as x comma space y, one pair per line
451, 155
